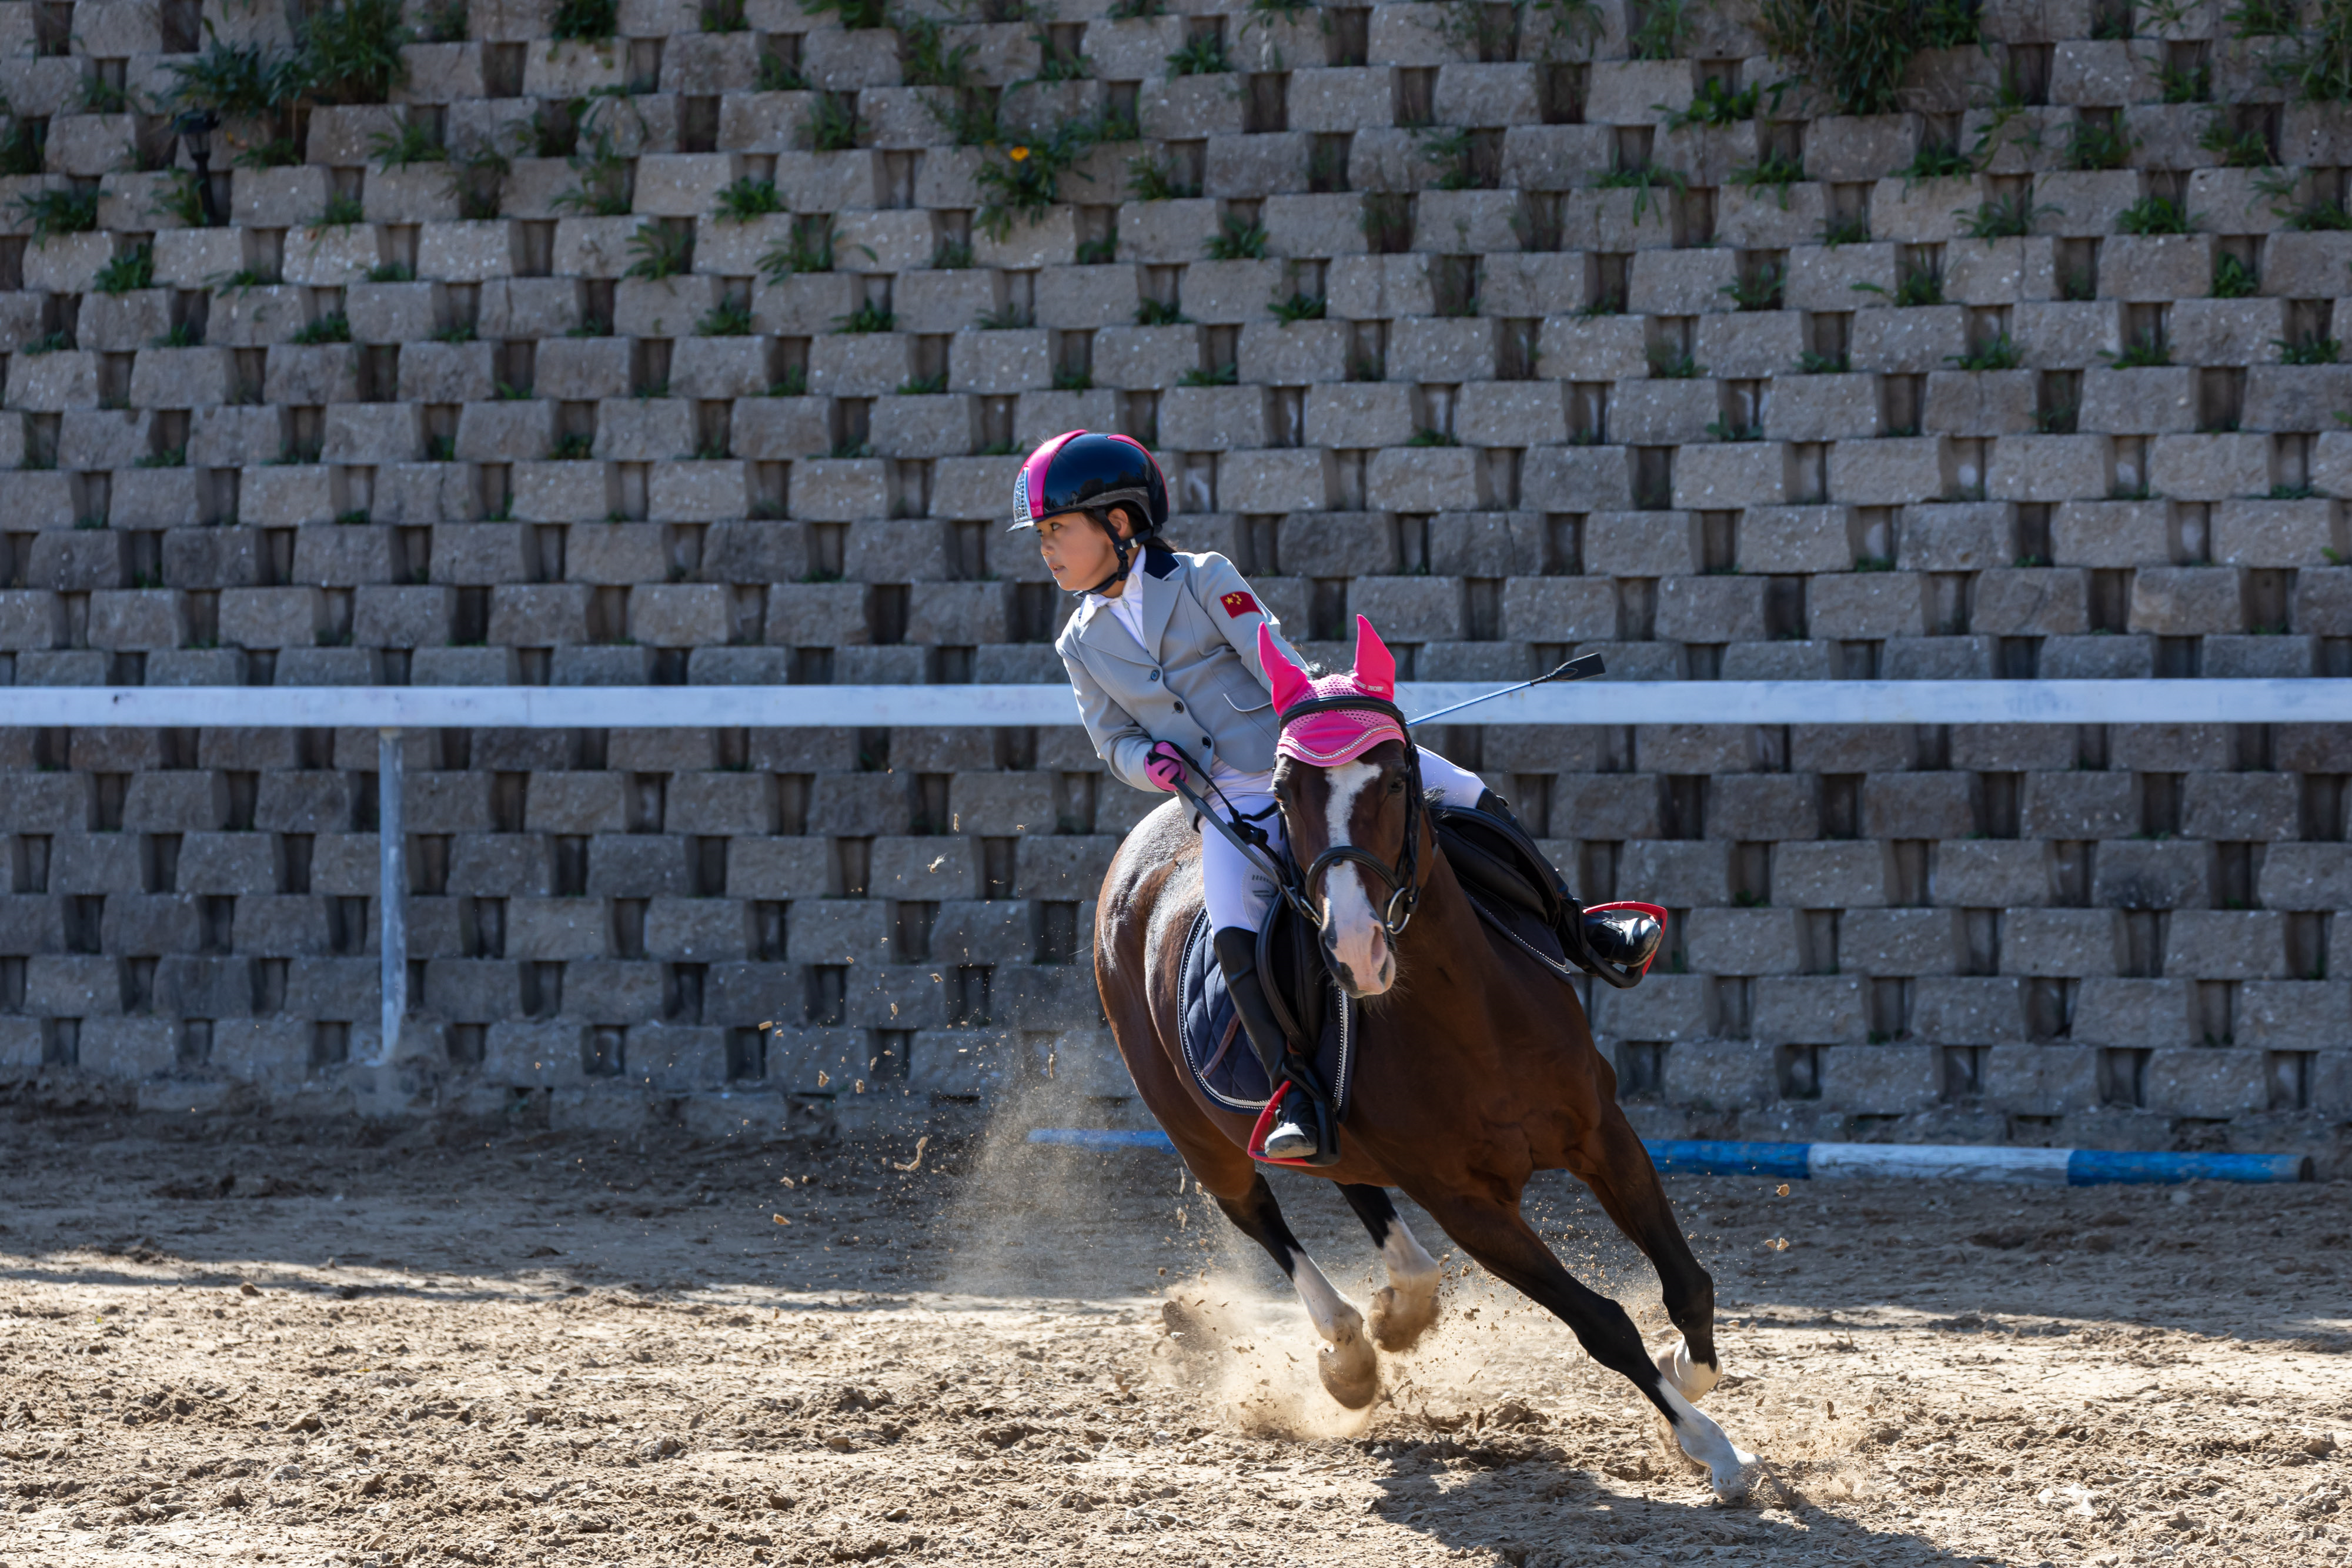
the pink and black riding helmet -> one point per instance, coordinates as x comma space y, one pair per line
1086, 471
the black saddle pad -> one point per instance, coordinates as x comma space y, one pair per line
1223, 1060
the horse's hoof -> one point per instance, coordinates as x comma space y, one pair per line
1692, 1380
1350, 1372
1734, 1478
1730, 1469
1398, 1322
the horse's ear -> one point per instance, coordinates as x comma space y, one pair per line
1375, 666
1289, 682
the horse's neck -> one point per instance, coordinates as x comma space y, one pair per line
1455, 983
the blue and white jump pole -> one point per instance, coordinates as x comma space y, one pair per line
1944, 1162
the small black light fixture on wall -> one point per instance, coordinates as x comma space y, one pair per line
195, 129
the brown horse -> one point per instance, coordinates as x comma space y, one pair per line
1476, 1069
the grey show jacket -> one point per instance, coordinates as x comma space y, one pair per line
1195, 682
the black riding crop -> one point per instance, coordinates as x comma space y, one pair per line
1574, 670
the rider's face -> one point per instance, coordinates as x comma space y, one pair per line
1076, 551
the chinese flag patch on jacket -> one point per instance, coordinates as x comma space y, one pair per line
1238, 604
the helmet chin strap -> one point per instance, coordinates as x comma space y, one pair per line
1126, 552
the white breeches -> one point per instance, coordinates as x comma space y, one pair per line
1237, 892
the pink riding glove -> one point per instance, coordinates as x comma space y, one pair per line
1164, 766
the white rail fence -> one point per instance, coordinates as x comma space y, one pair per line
806, 708
390, 710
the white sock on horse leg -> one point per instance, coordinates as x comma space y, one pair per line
1410, 1265
1334, 1318
1347, 1365
1727, 1464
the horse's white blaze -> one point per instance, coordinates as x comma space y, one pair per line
1335, 1320
1729, 1468
1357, 940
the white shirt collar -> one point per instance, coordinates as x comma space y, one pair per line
1127, 607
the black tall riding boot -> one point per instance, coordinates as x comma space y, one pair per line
1626, 937
1295, 1134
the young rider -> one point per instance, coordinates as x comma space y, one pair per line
1165, 662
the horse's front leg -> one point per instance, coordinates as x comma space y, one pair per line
1403, 1308
1498, 1235
1618, 1169
1349, 1370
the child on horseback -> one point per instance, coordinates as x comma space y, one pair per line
1166, 667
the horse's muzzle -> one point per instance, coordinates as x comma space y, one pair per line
1367, 972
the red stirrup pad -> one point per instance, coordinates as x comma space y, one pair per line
1265, 1120
1652, 910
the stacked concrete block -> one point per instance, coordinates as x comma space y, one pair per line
1409, 344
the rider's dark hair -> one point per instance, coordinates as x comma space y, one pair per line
1138, 529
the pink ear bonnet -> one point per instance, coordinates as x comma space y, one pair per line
1341, 735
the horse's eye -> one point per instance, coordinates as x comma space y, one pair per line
1396, 784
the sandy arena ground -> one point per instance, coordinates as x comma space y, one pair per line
248, 1341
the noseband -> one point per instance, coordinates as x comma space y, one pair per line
1403, 879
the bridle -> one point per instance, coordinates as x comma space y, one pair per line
1403, 879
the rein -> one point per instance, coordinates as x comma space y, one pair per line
1403, 879
1244, 835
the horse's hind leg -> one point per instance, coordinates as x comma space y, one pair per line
1497, 1235
1402, 1309
1617, 1168
1349, 1370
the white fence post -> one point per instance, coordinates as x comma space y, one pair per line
391, 891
